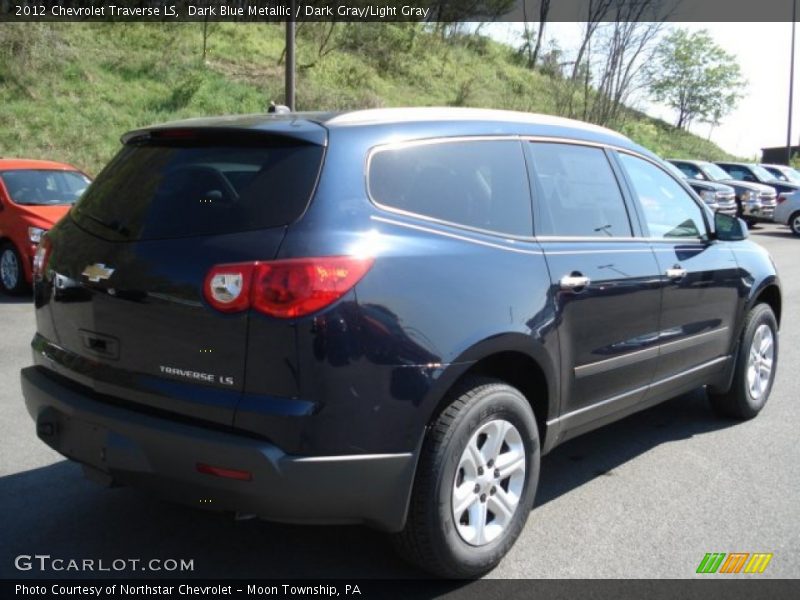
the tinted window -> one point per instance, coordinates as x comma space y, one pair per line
777, 174
669, 210
42, 186
690, 171
166, 191
579, 194
740, 173
481, 184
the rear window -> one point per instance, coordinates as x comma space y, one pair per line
191, 189
480, 184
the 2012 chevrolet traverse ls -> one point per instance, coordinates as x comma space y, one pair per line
384, 316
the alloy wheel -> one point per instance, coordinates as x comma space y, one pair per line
760, 361
795, 224
489, 482
9, 269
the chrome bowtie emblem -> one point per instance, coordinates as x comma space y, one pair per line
96, 272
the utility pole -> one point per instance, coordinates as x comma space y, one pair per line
791, 89
290, 58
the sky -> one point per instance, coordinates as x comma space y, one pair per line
763, 51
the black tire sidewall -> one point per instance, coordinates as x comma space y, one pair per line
792, 218
498, 403
762, 315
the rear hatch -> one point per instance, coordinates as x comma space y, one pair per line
122, 301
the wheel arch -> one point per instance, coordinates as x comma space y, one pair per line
769, 293
511, 358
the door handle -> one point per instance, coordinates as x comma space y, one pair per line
676, 272
574, 282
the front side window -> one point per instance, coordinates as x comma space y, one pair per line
740, 173
690, 171
670, 212
579, 195
481, 184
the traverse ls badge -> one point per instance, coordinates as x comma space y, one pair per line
96, 272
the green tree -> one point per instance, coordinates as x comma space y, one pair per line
691, 74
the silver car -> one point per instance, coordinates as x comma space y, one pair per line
788, 211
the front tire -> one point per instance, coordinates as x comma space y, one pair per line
756, 362
475, 482
12, 277
794, 223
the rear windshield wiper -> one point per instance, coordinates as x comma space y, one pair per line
115, 225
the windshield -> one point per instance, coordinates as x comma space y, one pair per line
41, 187
777, 173
791, 174
713, 172
784, 173
762, 173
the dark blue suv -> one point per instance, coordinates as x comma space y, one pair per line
384, 316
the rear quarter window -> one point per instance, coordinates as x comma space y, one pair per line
480, 184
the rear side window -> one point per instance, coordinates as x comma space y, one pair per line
481, 184
191, 189
579, 194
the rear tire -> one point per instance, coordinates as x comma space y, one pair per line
12, 275
756, 363
475, 483
794, 223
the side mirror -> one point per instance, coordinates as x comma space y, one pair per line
728, 228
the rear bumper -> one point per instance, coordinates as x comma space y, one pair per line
120, 445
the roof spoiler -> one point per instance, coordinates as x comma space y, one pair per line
286, 131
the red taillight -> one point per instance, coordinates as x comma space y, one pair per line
41, 257
781, 199
223, 472
284, 288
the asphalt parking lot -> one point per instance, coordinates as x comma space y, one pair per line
644, 497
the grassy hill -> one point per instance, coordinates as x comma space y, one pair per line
69, 90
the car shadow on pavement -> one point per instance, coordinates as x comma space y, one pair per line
22, 299
785, 233
54, 510
598, 453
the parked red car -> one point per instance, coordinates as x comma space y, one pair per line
34, 194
